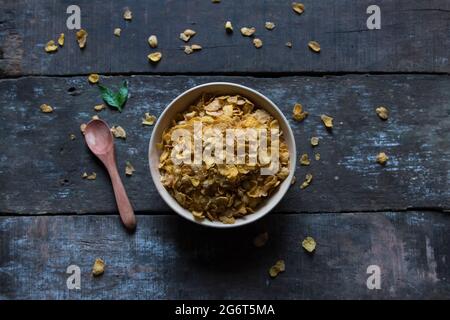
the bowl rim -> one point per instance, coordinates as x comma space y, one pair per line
270, 202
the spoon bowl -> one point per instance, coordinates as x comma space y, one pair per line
98, 137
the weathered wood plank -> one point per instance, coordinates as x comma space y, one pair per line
41, 167
413, 37
169, 258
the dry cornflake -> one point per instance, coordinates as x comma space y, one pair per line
128, 15
91, 176
314, 141
129, 169
304, 160
317, 156
148, 119
61, 39
261, 239
154, 57
288, 44
277, 268
117, 32
118, 132
45, 108
81, 38
327, 121
188, 49
307, 182
382, 112
99, 107
247, 32
314, 46
309, 244
298, 114
93, 78
269, 25
298, 7
153, 41
72, 136
99, 267
83, 127
228, 26
257, 43
187, 34
95, 117
382, 158
51, 47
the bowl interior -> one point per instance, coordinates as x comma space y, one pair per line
180, 104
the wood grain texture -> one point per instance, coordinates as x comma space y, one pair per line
170, 258
41, 167
413, 37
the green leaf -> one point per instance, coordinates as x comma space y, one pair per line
115, 99
122, 95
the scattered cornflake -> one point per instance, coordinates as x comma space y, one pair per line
99, 267
382, 112
95, 117
247, 32
261, 239
314, 141
51, 47
298, 114
314, 46
83, 127
154, 57
382, 158
93, 78
128, 15
298, 7
307, 182
327, 121
317, 156
228, 26
196, 47
187, 34
309, 244
188, 49
81, 38
45, 108
294, 179
72, 136
91, 176
198, 215
149, 119
277, 268
61, 39
117, 32
99, 107
289, 44
153, 41
269, 25
257, 43
304, 160
118, 132
129, 169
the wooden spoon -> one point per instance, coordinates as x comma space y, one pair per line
100, 141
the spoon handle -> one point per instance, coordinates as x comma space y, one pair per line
123, 203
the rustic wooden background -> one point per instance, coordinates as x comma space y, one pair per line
360, 213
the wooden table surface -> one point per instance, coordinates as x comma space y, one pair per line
360, 213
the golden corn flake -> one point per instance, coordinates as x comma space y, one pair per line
99, 267
317, 156
277, 268
61, 39
188, 49
382, 112
298, 7
228, 26
196, 47
257, 43
327, 121
148, 119
91, 176
81, 38
314, 46
261, 239
45, 108
221, 191
269, 25
128, 15
382, 158
93, 78
83, 128
309, 244
129, 169
117, 32
72, 136
307, 182
118, 132
314, 141
298, 114
51, 47
99, 107
304, 160
95, 117
153, 41
247, 32
154, 57
187, 34
288, 44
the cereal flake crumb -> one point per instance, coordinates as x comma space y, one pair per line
118, 132
45, 108
99, 267
309, 244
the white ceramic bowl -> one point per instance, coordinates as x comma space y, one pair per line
180, 104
